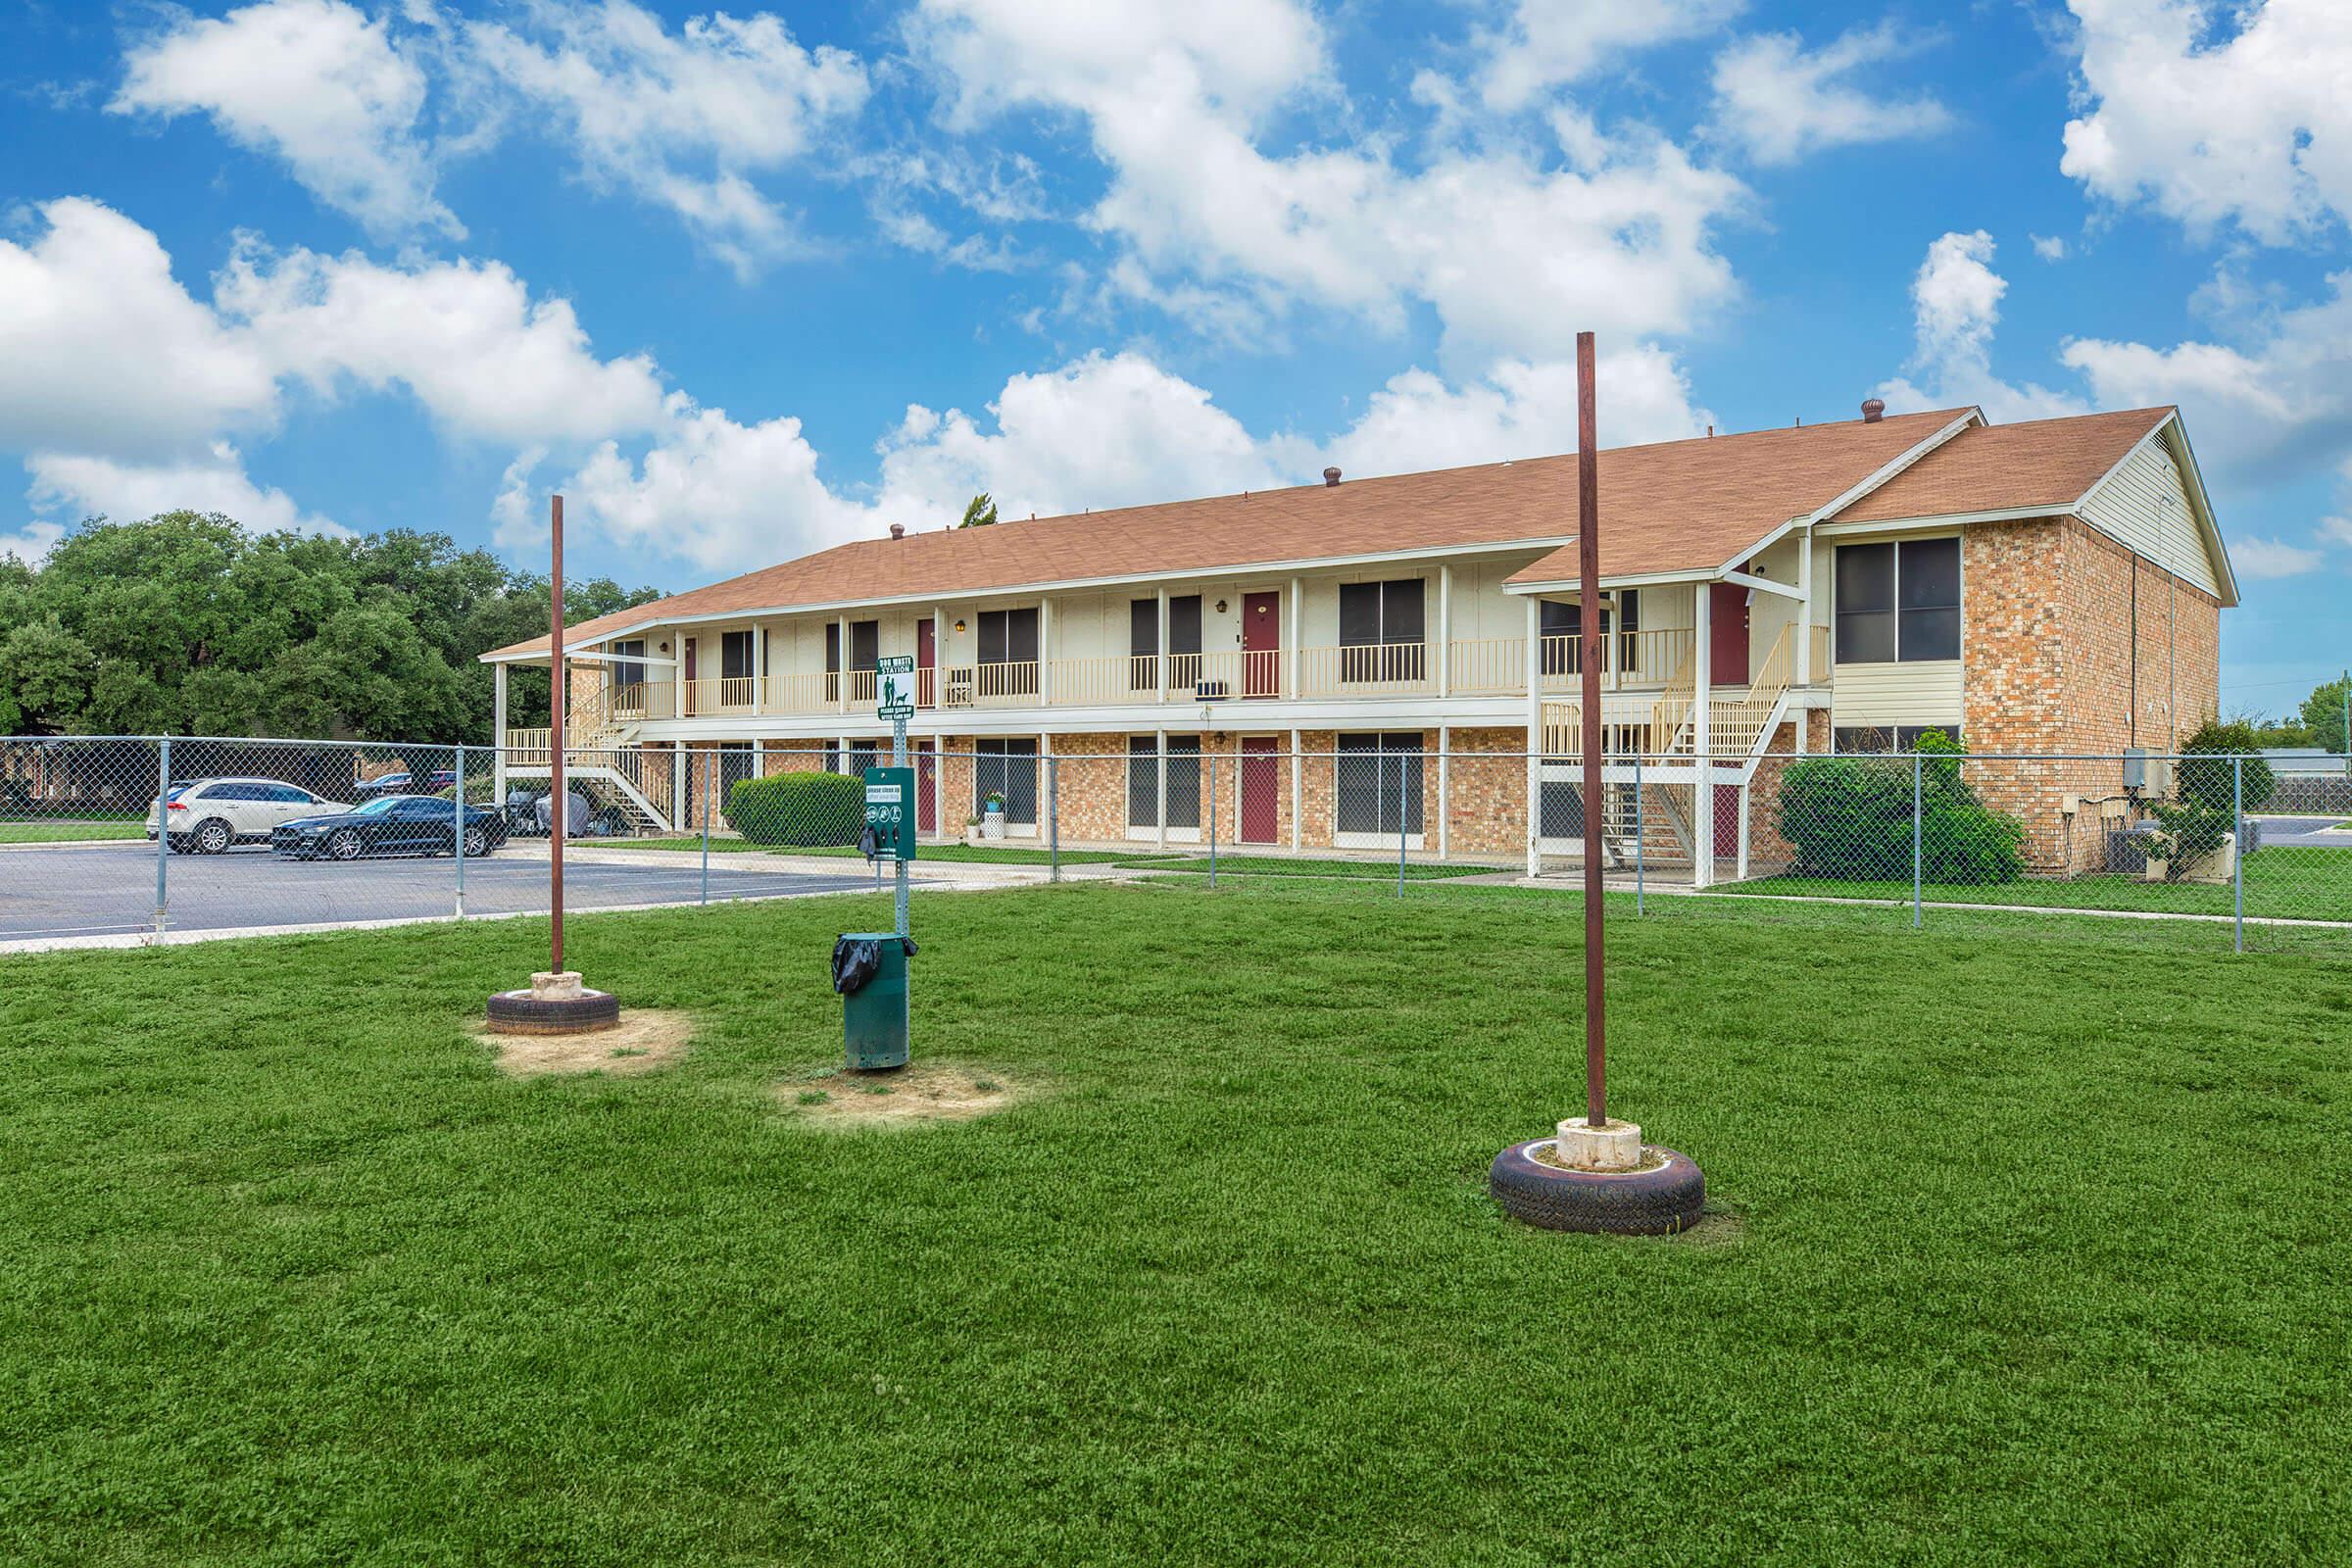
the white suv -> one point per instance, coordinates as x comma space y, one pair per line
210, 814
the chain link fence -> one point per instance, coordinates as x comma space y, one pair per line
127, 839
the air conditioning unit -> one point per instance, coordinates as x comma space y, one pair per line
1210, 691
2148, 775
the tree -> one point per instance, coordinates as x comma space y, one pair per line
187, 623
980, 511
2324, 715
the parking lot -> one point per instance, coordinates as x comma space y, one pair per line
59, 892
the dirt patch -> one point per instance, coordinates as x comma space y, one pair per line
645, 1037
912, 1097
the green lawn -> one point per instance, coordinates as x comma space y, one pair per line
69, 832
1309, 867
2024, 1251
982, 853
2286, 882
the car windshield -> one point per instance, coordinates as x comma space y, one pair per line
377, 808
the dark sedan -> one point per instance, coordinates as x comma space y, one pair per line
395, 824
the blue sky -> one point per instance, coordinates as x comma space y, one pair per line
746, 283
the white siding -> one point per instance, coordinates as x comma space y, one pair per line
1924, 691
2145, 506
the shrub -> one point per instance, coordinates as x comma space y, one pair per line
2209, 785
807, 810
1850, 817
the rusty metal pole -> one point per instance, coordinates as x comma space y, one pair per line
1587, 597
558, 816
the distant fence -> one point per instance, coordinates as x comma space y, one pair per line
270, 835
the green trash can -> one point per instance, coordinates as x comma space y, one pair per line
869, 970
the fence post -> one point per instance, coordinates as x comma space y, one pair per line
712, 754
1915, 809
1212, 819
163, 834
458, 831
1052, 818
1639, 835
2237, 850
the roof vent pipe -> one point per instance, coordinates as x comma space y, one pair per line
1330, 476
897, 530
1873, 410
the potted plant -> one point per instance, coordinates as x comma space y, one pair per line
971, 829
992, 820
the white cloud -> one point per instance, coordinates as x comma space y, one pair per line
2217, 114
313, 81
1545, 44
1783, 102
1518, 410
100, 345
83, 486
1956, 303
684, 120
32, 543
2336, 530
465, 338
2255, 557
2049, 247
1514, 253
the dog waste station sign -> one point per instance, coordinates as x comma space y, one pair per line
869, 967
890, 811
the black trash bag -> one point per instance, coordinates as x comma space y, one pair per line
855, 960
868, 845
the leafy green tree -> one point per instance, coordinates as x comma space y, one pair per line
2323, 717
980, 511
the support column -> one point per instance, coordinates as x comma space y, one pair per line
677, 787
758, 667
1804, 613
1296, 643
1742, 869
841, 691
1444, 634
1161, 744
1702, 741
1045, 654
498, 736
1162, 662
1535, 735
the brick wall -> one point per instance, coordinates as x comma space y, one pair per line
1487, 793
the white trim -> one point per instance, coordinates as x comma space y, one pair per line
1947, 520
1761, 585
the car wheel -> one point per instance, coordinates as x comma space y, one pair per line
345, 844
213, 837
477, 841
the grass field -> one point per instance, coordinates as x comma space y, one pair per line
2284, 882
67, 832
2023, 1250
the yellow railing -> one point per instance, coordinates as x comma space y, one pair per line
1629, 658
800, 694
1490, 666
1368, 669
1006, 685
1097, 682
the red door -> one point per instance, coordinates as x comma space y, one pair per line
926, 787
926, 666
1261, 647
1726, 634
689, 677
1261, 791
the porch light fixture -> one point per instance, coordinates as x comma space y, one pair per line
960, 623
1220, 607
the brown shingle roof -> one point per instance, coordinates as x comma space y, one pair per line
1677, 505
2000, 467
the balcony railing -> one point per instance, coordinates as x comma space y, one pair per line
1495, 666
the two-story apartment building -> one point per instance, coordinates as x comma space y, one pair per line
1370, 657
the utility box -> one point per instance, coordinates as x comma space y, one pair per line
869, 970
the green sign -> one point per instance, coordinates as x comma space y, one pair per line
894, 687
890, 811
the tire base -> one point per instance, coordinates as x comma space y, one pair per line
519, 1013
1662, 1202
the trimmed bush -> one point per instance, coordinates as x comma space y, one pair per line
1849, 817
807, 810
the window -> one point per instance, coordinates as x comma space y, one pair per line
1184, 624
1143, 645
1184, 781
1142, 773
1009, 652
1381, 631
1564, 619
288, 795
735, 656
862, 755
1006, 767
1899, 602
737, 761
1379, 783
1867, 739
628, 669
832, 756
866, 645
832, 664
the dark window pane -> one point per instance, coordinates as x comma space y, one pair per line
735, 655
1930, 634
1930, 578
1401, 610
832, 646
1359, 614
992, 637
866, 645
1866, 638
1020, 635
1184, 781
1357, 791
1143, 779
1184, 624
1143, 626
1865, 578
